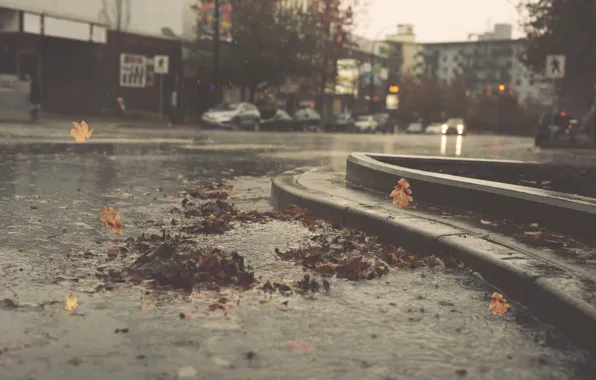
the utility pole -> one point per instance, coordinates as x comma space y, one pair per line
371, 89
216, 52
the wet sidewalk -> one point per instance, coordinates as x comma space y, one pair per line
426, 322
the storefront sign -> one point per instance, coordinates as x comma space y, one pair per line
9, 83
133, 70
14, 93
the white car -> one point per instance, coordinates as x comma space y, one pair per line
434, 129
415, 128
366, 123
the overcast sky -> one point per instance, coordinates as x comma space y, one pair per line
438, 20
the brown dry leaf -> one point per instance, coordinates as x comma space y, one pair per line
112, 219
401, 194
80, 132
70, 302
299, 346
497, 304
112, 253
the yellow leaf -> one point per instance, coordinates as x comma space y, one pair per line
401, 194
80, 132
211, 217
221, 363
112, 219
70, 302
497, 304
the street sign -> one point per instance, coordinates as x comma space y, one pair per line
162, 63
555, 66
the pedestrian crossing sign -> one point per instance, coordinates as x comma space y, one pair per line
555, 66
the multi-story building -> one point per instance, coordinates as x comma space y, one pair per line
485, 64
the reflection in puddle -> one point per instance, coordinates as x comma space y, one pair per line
458, 143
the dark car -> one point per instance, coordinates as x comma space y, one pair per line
454, 126
308, 119
341, 122
280, 121
233, 116
385, 123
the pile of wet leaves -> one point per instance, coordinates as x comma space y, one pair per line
177, 262
353, 255
216, 216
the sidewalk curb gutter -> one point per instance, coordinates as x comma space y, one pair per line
573, 316
570, 214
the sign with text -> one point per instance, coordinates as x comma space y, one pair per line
133, 70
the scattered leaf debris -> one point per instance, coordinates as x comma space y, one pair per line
70, 302
299, 346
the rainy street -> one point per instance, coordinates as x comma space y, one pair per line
429, 322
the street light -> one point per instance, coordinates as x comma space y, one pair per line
372, 64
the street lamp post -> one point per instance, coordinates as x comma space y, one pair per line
216, 51
371, 88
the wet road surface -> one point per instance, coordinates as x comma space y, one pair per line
418, 324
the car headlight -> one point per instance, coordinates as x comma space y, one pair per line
444, 128
460, 129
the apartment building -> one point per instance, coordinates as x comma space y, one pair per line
485, 64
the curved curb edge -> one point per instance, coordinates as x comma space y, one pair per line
574, 317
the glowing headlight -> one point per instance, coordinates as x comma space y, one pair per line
444, 128
460, 129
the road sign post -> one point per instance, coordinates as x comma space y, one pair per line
161, 68
555, 69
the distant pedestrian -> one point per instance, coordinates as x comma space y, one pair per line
35, 97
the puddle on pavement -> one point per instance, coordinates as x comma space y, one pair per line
418, 324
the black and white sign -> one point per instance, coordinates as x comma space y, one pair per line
162, 63
133, 70
555, 66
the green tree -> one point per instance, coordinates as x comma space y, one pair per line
563, 27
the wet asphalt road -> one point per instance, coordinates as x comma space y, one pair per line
420, 324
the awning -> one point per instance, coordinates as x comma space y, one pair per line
52, 26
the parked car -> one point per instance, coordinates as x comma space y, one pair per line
308, 119
366, 123
454, 126
233, 116
385, 122
341, 122
415, 128
434, 129
280, 120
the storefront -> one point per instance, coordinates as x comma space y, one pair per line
56, 57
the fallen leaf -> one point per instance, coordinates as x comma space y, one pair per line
401, 194
497, 304
80, 132
146, 307
222, 363
112, 253
146, 193
488, 222
285, 308
299, 346
112, 219
187, 372
70, 302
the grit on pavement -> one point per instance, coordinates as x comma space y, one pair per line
425, 323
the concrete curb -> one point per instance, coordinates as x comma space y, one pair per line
574, 317
566, 213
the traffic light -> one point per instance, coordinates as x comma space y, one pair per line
393, 89
501, 87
